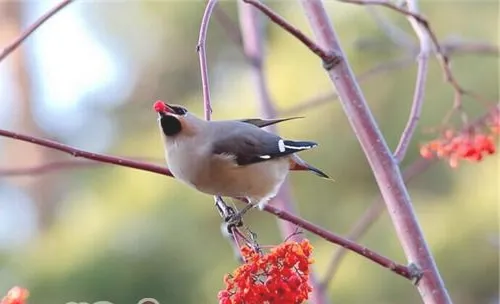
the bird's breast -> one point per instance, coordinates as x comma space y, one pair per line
186, 161
255, 181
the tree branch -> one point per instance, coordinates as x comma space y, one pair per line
15, 44
419, 94
319, 231
457, 46
88, 155
200, 48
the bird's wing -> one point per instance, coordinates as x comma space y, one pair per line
253, 146
261, 123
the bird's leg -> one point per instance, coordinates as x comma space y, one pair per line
224, 210
231, 218
236, 218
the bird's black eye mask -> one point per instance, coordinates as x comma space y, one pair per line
170, 125
178, 110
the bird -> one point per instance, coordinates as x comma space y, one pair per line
231, 158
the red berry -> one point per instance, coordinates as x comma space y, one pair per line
426, 152
159, 106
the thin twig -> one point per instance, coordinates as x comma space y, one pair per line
389, 5
450, 46
314, 229
454, 46
419, 94
200, 48
14, 45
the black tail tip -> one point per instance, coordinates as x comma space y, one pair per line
318, 172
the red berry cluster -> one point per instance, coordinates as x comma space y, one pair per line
472, 146
16, 295
280, 276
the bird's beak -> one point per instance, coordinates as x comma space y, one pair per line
162, 108
168, 110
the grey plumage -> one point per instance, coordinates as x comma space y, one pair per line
250, 145
230, 157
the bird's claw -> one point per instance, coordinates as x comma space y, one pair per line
233, 220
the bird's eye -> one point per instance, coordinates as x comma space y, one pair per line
179, 110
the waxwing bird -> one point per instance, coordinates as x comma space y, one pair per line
233, 158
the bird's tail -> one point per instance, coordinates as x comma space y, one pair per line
297, 164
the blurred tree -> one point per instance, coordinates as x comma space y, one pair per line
17, 154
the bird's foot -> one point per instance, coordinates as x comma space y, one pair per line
235, 219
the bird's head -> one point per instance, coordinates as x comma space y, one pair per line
171, 117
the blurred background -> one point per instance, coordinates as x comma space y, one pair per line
88, 78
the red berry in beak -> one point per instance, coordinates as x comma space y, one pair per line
160, 107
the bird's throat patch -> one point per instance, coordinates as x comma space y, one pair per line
170, 125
